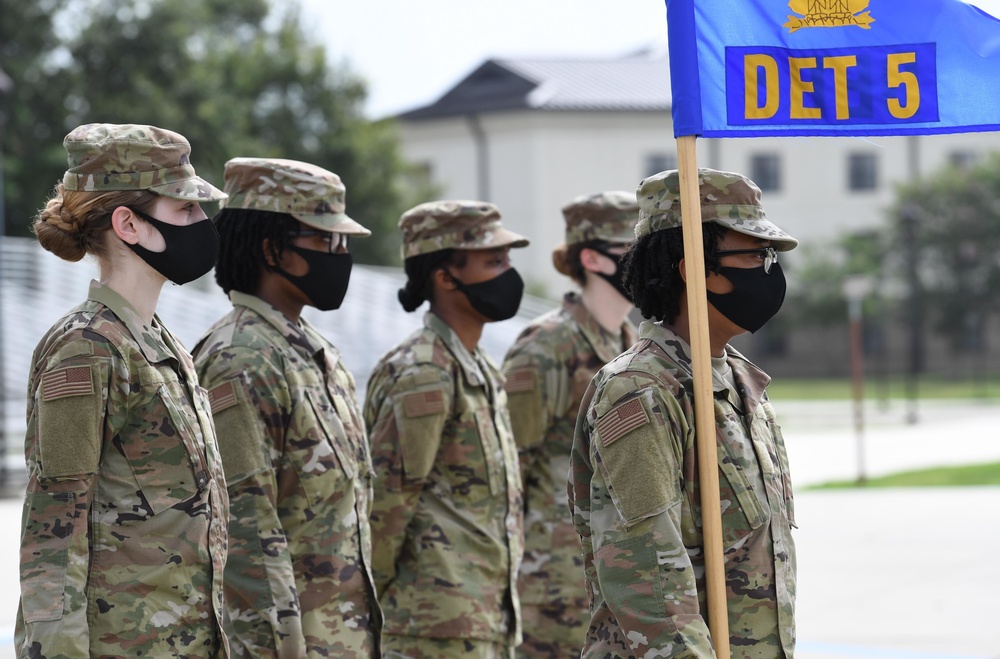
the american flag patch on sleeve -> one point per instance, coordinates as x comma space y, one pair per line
222, 397
621, 420
65, 382
423, 403
519, 381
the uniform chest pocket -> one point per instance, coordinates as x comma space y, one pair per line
160, 442
738, 492
492, 451
317, 447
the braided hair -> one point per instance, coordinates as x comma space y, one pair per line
241, 253
419, 276
651, 275
74, 223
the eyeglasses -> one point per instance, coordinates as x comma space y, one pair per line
765, 254
334, 241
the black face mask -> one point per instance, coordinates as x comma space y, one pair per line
326, 282
191, 249
497, 298
615, 279
755, 298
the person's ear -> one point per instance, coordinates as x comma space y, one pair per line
265, 247
125, 225
590, 260
443, 280
682, 270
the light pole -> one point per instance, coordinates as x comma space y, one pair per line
856, 288
915, 315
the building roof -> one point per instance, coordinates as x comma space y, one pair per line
639, 82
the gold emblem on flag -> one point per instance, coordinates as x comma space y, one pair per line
828, 13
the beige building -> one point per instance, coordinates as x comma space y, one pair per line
529, 135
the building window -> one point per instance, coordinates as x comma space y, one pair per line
963, 159
660, 162
862, 171
765, 170
418, 177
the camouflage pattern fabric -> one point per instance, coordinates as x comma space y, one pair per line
547, 371
310, 194
123, 533
605, 216
413, 647
438, 225
635, 497
293, 443
727, 198
447, 519
105, 157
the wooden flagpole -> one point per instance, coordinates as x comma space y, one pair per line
704, 407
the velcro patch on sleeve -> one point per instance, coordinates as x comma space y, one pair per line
520, 381
222, 397
621, 420
66, 382
423, 403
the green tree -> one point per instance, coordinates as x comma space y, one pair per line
30, 52
818, 295
237, 78
955, 218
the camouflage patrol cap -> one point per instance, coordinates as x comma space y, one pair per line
310, 194
437, 225
104, 157
727, 198
609, 216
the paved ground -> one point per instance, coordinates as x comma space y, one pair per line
883, 574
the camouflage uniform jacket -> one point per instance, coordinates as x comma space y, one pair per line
123, 534
635, 498
547, 371
293, 444
447, 518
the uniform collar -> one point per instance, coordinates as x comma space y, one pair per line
470, 362
301, 335
751, 381
605, 345
154, 340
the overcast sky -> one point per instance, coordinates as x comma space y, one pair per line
412, 51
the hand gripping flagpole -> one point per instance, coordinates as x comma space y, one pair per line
704, 407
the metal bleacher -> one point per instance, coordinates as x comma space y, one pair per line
36, 288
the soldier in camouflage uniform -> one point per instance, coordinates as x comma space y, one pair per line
634, 488
447, 517
547, 371
123, 537
298, 581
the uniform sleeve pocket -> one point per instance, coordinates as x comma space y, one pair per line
50, 519
635, 457
70, 417
420, 418
524, 400
239, 431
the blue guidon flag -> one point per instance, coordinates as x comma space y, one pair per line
753, 68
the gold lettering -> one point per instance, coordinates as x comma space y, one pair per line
840, 65
752, 65
799, 88
907, 106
